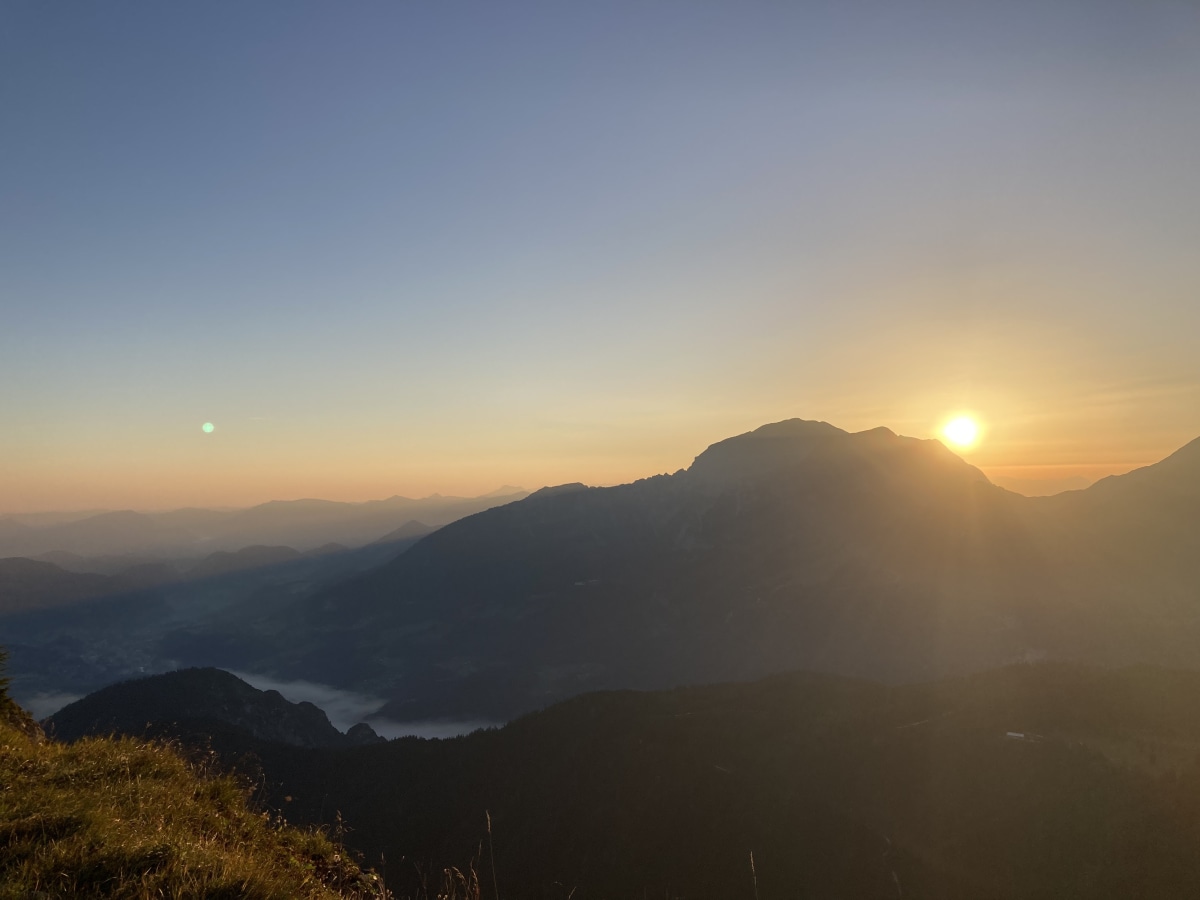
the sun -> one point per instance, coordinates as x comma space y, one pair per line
962, 432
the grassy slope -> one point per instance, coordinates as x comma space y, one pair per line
109, 817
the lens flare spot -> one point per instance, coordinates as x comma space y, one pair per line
207, 427
961, 431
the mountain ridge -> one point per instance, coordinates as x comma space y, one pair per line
191, 533
797, 544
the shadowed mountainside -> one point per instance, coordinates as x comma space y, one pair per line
796, 545
27, 583
224, 562
32, 584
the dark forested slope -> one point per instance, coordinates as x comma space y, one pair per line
1043, 781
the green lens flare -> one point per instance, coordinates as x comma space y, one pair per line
207, 427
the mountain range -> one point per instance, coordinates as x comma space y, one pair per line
798, 545
192, 533
964, 709
795, 546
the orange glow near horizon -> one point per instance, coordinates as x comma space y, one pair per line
360, 455
238, 470
596, 272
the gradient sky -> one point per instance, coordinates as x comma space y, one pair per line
407, 247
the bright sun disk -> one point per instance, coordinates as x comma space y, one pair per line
962, 431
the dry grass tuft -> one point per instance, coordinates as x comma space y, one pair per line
122, 818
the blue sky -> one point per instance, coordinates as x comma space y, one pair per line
403, 247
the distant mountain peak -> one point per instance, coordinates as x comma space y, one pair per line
505, 491
798, 443
554, 490
769, 448
881, 431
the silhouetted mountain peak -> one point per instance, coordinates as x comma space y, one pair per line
882, 434
765, 450
361, 735
774, 449
557, 489
192, 699
505, 491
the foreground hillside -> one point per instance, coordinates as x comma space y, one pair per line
1048, 781
121, 818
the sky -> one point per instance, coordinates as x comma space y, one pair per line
406, 247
